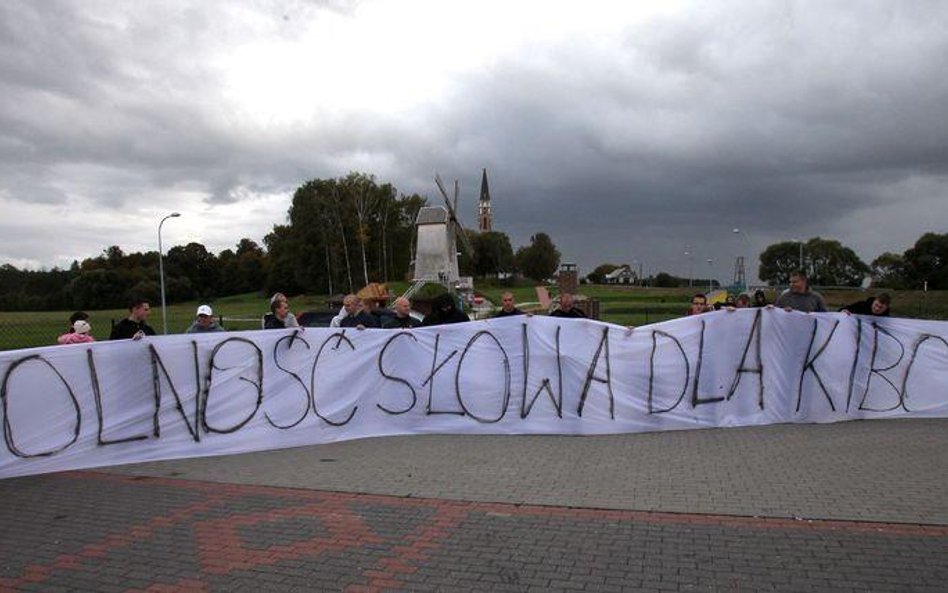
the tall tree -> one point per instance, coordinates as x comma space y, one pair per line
492, 255
335, 221
194, 262
364, 199
281, 245
777, 261
833, 264
242, 270
927, 262
888, 271
540, 259
827, 262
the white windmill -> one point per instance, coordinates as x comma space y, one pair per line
436, 248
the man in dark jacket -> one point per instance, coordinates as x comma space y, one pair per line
566, 308
508, 307
444, 311
355, 314
134, 325
402, 318
877, 305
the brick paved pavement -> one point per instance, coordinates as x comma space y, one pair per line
873, 471
246, 530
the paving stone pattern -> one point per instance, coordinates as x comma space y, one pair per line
119, 533
880, 470
858, 506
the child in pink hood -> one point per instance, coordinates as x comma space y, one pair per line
78, 335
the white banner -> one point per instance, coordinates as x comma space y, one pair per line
88, 405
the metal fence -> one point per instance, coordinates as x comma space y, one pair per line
35, 330
27, 330
30, 330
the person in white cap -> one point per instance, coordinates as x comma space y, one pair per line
78, 335
204, 321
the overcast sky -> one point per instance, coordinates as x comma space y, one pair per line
628, 131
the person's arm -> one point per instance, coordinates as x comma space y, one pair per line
782, 302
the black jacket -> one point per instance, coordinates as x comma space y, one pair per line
361, 318
571, 313
127, 328
443, 311
864, 307
396, 322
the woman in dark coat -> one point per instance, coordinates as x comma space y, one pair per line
444, 310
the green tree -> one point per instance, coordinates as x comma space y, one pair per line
98, 289
666, 280
827, 263
493, 254
281, 245
830, 263
777, 261
340, 233
194, 262
927, 261
243, 270
539, 260
888, 271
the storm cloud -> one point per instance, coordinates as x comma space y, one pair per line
633, 132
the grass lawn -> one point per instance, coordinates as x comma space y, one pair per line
622, 305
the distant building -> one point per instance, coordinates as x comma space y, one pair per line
621, 275
484, 216
568, 278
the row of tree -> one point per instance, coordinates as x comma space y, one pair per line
340, 234
828, 262
111, 279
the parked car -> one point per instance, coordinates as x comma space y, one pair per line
316, 318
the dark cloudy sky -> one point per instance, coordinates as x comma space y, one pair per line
628, 131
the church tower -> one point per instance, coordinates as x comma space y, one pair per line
484, 217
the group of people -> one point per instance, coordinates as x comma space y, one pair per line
365, 313
699, 302
135, 326
798, 297
355, 312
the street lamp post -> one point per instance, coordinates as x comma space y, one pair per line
738, 231
691, 271
161, 273
710, 264
740, 278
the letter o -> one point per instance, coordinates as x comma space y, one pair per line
7, 426
457, 378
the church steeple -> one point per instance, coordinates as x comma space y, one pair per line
484, 216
